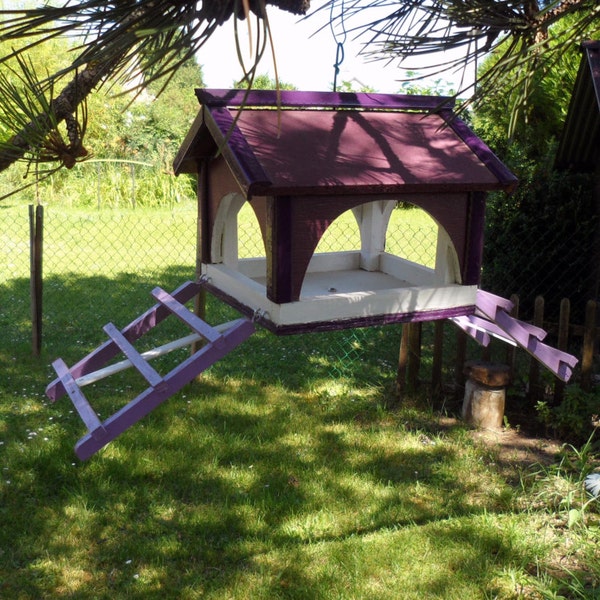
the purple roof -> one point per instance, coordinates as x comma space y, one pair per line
331, 143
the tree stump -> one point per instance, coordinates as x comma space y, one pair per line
485, 394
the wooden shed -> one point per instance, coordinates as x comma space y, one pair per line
302, 159
579, 144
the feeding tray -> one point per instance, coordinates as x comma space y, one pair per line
301, 160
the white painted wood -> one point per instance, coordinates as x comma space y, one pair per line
324, 262
447, 267
224, 241
373, 219
358, 294
403, 269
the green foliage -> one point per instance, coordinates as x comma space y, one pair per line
530, 246
576, 417
264, 82
505, 120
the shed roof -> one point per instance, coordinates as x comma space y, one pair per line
339, 143
579, 147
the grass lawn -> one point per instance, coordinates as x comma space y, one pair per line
284, 472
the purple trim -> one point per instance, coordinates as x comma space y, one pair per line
235, 148
474, 239
483, 152
296, 99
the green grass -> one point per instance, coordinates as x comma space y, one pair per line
286, 471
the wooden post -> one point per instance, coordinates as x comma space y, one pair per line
402, 361
438, 358
36, 234
589, 339
535, 389
461, 353
202, 245
485, 394
511, 351
563, 342
414, 355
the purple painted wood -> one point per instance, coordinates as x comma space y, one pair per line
486, 302
489, 304
466, 324
96, 429
235, 148
483, 152
133, 331
147, 372
143, 404
296, 99
526, 336
474, 239
190, 319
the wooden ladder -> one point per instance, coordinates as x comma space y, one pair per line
491, 318
218, 342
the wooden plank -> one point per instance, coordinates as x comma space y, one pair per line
479, 334
535, 389
489, 303
589, 342
189, 318
402, 361
563, 343
414, 354
438, 357
148, 373
86, 412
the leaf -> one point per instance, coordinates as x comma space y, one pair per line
575, 517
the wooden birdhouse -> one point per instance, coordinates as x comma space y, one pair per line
303, 159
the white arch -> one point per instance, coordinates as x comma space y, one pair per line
224, 240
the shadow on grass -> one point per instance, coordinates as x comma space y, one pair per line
256, 481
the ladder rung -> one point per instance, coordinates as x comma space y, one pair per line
150, 374
181, 312
86, 412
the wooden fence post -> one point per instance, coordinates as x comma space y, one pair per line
562, 344
402, 361
459, 365
589, 341
36, 234
438, 358
414, 355
535, 389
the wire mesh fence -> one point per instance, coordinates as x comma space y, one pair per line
102, 260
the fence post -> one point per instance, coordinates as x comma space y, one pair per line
132, 173
438, 357
535, 389
402, 361
459, 365
563, 342
414, 355
36, 281
589, 339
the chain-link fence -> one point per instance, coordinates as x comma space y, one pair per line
101, 261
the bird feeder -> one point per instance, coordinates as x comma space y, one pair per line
302, 159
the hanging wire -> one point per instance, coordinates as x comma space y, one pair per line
339, 40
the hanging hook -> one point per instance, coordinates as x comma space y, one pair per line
340, 41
